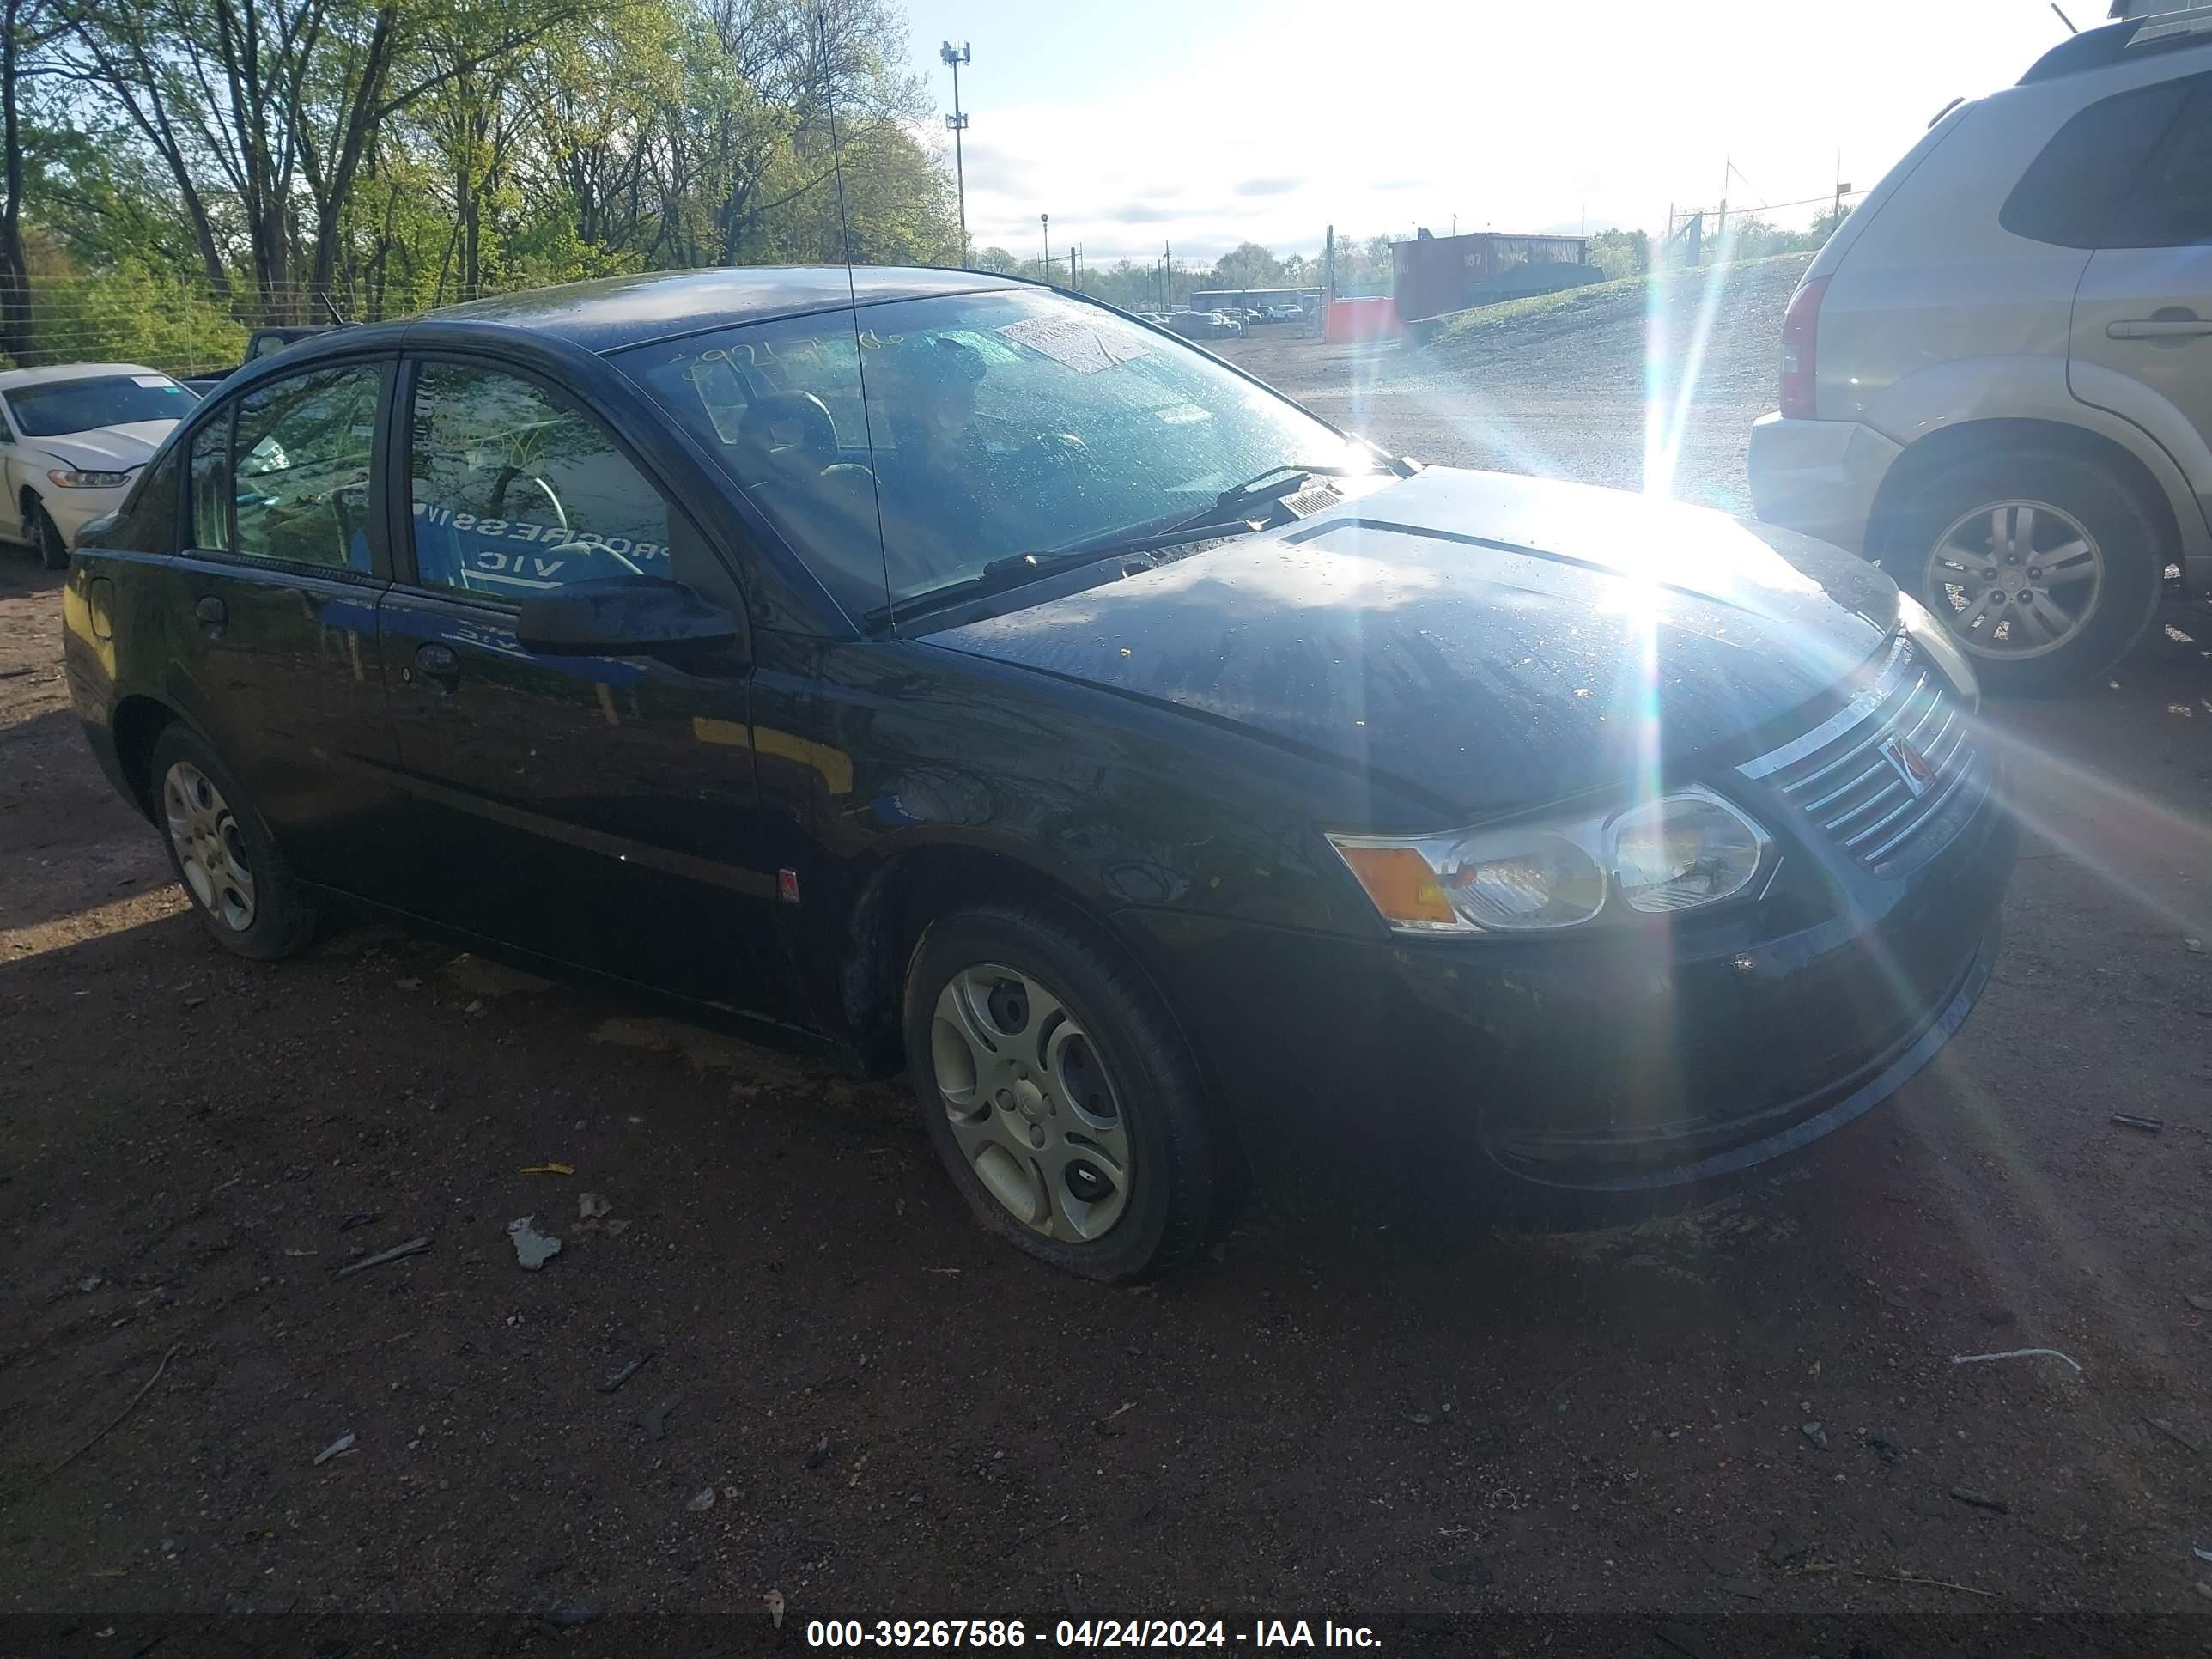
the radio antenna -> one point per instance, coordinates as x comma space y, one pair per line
853, 295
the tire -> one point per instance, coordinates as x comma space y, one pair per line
46, 539
238, 882
1104, 1081
1972, 512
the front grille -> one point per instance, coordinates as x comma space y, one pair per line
1855, 774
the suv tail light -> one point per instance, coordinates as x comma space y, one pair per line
1800, 328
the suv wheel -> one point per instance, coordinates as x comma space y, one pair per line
2047, 566
238, 882
1060, 1095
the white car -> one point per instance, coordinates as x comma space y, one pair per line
72, 439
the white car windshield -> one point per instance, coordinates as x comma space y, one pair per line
59, 407
993, 425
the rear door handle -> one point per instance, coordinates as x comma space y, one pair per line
2159, 328
437, 662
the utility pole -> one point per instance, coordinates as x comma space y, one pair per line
1044, 221
1073, 281
1720, 231
955, 56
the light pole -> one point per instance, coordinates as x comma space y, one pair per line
1044, 220
955, 56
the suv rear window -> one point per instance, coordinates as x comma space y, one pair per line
2070, 191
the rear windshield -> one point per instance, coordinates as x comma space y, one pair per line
96, 400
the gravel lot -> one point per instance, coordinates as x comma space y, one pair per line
850, 1396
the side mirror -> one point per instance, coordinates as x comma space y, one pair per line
621, 615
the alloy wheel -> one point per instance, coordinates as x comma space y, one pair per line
1030, 1103
210, 846
2015, 579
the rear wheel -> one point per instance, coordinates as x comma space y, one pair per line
46, 539
1060, 1095
2046, 567
238, 883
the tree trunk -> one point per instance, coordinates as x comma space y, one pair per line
15, 274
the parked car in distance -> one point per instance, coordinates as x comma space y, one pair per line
262, 343
72, 438
1285, 312
1202, 324
1183, 793
1996, 377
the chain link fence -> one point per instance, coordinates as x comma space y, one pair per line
181, 326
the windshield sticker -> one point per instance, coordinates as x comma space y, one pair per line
1080, 346
156, 382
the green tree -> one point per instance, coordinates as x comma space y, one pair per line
1248, 266
1620, 252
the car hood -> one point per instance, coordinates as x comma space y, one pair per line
107, 448
1477, 640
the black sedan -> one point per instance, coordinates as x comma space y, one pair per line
955, 675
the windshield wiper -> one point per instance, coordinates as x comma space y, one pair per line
1258, 487
1015, 570
1018, 569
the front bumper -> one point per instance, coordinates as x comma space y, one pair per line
1575, 1081
1818, 478
73, 509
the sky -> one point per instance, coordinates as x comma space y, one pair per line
1204, 125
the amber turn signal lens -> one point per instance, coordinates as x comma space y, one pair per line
1401, 883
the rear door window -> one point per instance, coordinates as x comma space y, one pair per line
2070, 191
281, 473
212, 483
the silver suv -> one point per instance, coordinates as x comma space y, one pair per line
1997, 378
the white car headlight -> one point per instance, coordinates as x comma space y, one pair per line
1676, 852
69, 479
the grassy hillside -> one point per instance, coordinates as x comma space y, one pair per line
1750, 285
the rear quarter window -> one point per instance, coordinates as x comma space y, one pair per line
2172, 205
2070, 191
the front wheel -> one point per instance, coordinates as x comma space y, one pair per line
1060, 1095
239, 885
2046, 567
46, 540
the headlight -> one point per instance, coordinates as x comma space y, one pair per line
1675, 853
1933, 637
68, 480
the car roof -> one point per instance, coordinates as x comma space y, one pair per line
2116, 43
611, 313
13, 379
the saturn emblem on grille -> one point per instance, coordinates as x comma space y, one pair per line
1911, 766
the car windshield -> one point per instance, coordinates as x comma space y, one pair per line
992, 425
96, 400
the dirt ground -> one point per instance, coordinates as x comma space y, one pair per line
1739, 1432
